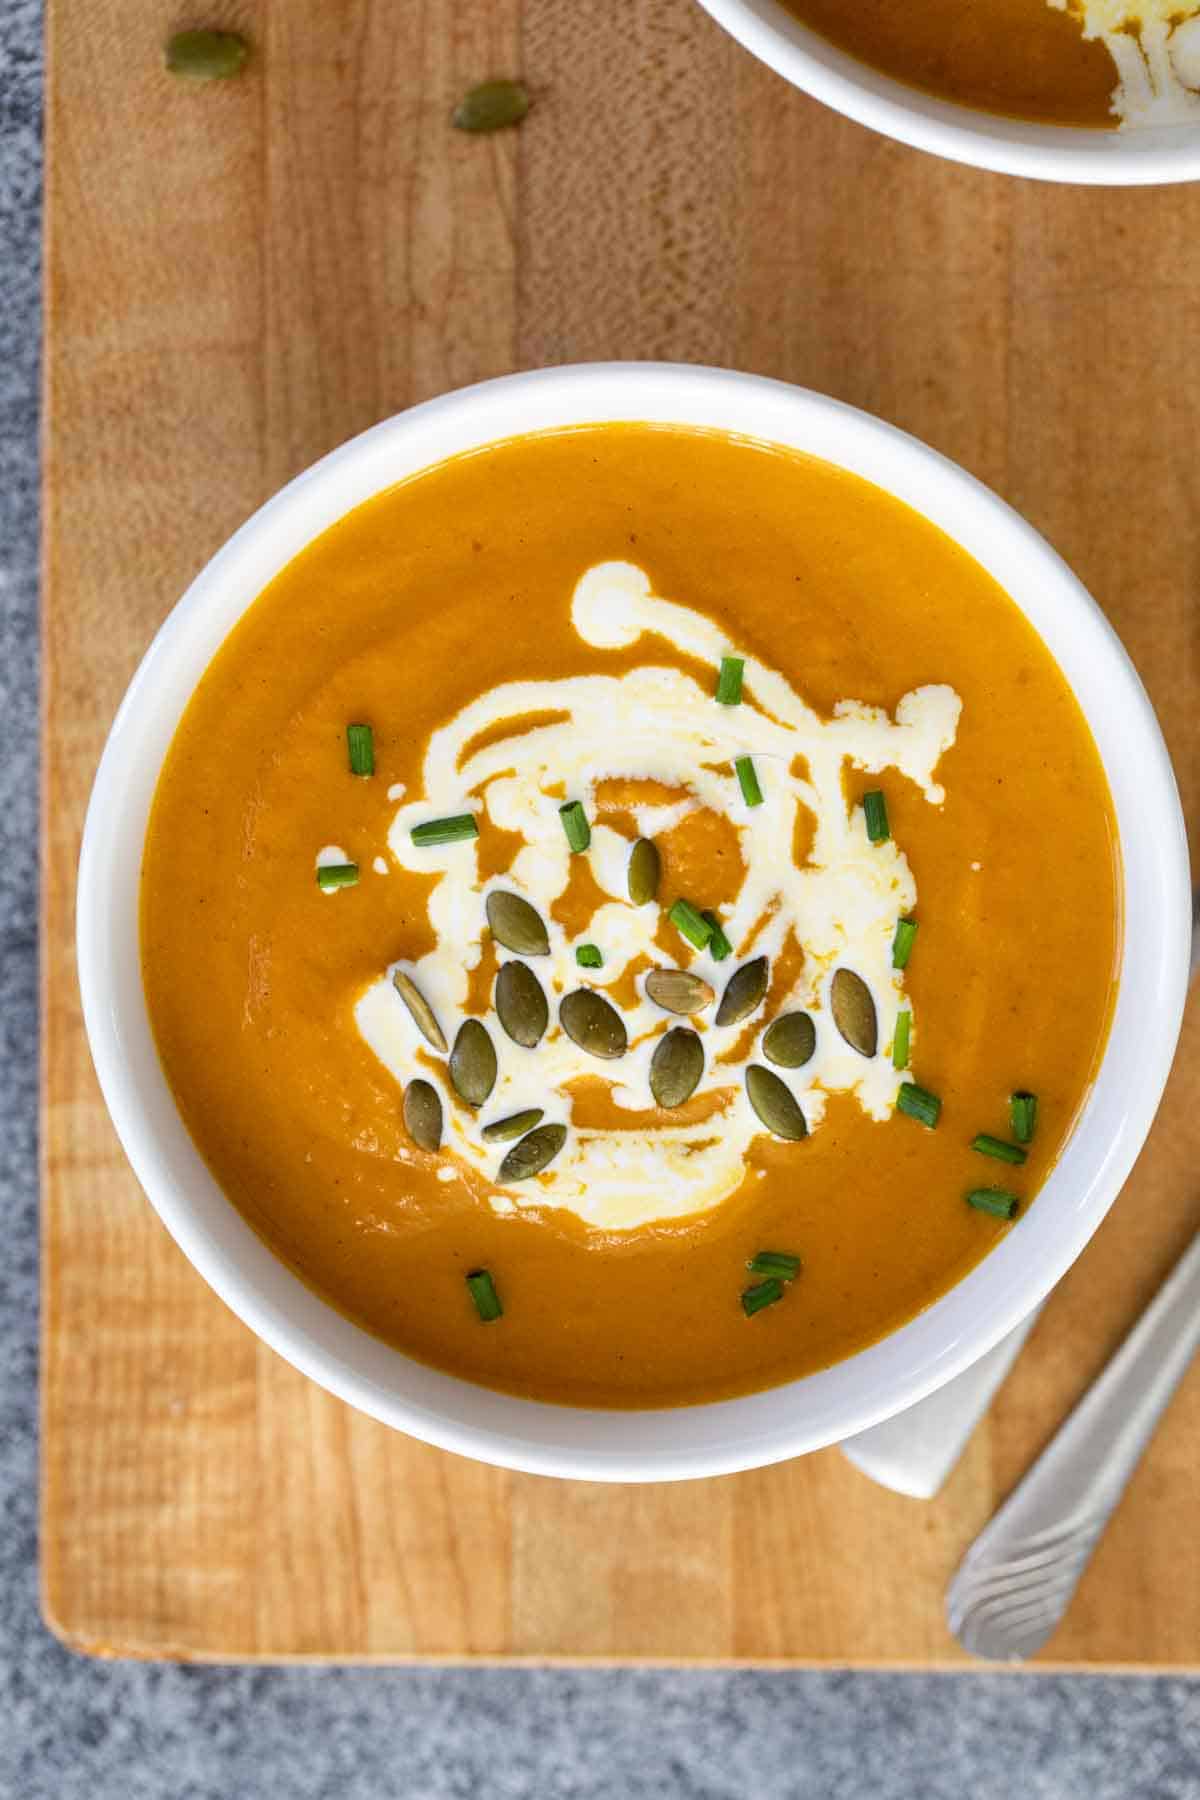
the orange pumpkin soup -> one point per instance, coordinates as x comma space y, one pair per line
602, 900
1097, 63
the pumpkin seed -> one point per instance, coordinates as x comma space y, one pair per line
854, 1011
422, 1013
492, 105
516, 1125
676, 1066
534, 1152
589, 1021
423, 1115
206, 55
775, 1103
645, 867
521, 1005
473, 1062
745, 989
678, 990
790, 1040
516, 924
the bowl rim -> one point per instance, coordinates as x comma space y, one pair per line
710, 1438
1087, 156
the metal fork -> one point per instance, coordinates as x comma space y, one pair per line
1016, 1581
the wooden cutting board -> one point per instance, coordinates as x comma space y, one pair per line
242, 275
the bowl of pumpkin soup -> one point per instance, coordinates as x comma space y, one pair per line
1089, 91
633, 921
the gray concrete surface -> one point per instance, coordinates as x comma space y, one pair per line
74, 1730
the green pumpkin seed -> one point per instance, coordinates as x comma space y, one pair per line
645, 867
745, 989
854, 1011
516, 924
423, 1115
676, 1066
491, 106
589, 1021
521, 1005
678, 990
206, 55
534, 1152
790, 1040
516, 1125
473, 1062
422, 1013
775, 1103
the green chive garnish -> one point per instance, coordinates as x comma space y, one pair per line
719, 946
360, 742
763, 1293
729, 681
1022, 1110
875, 810
777, 1263
694, 926
902, 943
482, 1290
588, 956
748, 781
993, 1146
446, 831
997, 1201
336, 875
575, 824
918, 1103
900, 1040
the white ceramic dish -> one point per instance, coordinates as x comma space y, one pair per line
1128, 158
803, 1415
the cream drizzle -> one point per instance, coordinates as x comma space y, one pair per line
659, 723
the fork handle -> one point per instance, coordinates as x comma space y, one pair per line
1015, 1582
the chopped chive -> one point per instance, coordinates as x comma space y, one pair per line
748, 781
1022, 1110
336, 875
902, 943
763, 1293
588, 956
900, 1040
729, 681
482, 1290
446, 831
360, 741
875, 811
997, 1201
918, 1103
775, 1262
719, 946
993, 1146
694, 926
575, 824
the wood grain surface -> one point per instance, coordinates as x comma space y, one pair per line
238, 277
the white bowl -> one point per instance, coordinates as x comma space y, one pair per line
802, 1415
1135, 157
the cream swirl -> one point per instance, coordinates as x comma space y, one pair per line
659, 724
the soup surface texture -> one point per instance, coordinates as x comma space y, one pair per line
1063, 62
825, 718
